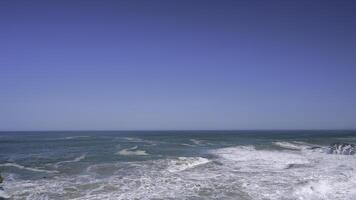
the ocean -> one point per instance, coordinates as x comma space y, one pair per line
194, 165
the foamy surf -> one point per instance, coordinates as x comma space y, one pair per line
233, 167
185, 163
248, 156
133, 151
289, 145
3, 194
318, 176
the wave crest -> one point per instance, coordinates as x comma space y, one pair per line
184, 163
77, 159
133, 151
27, 168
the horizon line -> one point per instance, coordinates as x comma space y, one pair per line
149, 130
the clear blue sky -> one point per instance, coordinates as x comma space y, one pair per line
177, 64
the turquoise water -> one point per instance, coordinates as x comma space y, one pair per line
177, 165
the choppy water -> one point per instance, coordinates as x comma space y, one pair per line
256, 165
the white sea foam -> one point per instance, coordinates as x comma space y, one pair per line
77, 159
267, 174
241, 172
4, 195
249, 157
184, 163
133, 151
289, 145
313, 190
27, 168
76, 137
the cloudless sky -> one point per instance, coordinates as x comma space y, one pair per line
254, 64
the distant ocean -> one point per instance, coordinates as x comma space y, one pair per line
246, 165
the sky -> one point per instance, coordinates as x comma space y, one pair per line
158, 65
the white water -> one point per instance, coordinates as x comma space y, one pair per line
4, 195
240, 172
77, 159
184, 163
133, 151
295, 146
303, 175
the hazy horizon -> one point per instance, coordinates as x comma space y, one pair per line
182, 130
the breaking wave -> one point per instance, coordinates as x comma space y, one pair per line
184, 163
249, 158
294, 175
240, 172
289, 145
133, 151
293, 171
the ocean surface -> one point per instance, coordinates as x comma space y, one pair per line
246, 165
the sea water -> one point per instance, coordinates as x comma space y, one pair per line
246, 165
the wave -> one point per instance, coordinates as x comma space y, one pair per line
244, 173
133, 151
27, 168
76, 137
237, 172
188, 145
248, 156
196, 142
199, 142
69, 137
184, 163
303, 175
289, 145
139, 140
3, 194
342, 149
77, 159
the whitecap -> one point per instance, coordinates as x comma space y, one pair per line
26, 168
197, 142
133, 151
139, 140
77, 159
289, 145
184, 163
75, 137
